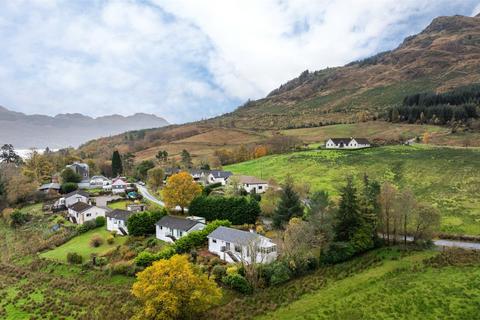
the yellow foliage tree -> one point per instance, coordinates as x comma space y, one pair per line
426, 138
174, 289
260, 151
180, 190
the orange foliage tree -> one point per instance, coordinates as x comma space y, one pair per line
174, 289
180, 191
260, 151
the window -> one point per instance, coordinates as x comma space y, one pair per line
260, 187
161, 228
227, 245
238, 248
214, 240
89, 214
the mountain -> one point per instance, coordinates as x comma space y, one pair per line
443, 56
70, 129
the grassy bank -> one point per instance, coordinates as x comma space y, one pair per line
448, 178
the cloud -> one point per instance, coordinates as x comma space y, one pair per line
186, 60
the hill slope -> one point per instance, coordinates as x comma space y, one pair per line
443, 56
63, 130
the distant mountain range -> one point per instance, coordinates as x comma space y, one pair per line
70, 129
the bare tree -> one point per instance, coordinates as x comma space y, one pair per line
405, 206
387, 200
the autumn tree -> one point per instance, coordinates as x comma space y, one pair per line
38, 168
425, 222
426, 138
406, 204
174, 289
269, 201
386, 200
260, 151
180, 190
155, 178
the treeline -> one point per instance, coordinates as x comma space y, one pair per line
458, 105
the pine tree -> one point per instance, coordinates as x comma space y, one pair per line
349, 217
289, 205
117, 168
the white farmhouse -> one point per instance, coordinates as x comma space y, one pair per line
119, 185
347, 143
217, 176
98, 181
117, 221
253, 184
81, 212
171, 228
73, 197
234, 246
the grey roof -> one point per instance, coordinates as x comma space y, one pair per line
340, 140
233, 235
79, 192
221, 174
198, 172
80, 206
251, 180
52, 185
177, 223
120, 214
362, 140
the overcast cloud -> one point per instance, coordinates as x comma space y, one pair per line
187, 60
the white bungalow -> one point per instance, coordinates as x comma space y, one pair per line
98, 181
117, 221
233, 246
81, 212
253, 184
347, 143
171, 228
119, 185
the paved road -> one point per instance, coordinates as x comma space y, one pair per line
147, 195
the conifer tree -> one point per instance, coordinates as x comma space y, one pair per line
289, 205
117, 168
349, 217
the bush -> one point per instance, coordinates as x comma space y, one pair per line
276, 273
145, 259
143, 223
238, 283
219, 272
87, 226
69, 187
238, 210
74, 258
110, 239
96, 241
122, 267
70, 176
338, 252
18, 218
100, 221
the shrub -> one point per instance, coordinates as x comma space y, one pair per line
69, 187
110, 239
238, 283
219, 272
145, 259
96, 241
122, 267
87, 226
100, 221
338, 252
280, 273
18, 218
143, 223
74, 258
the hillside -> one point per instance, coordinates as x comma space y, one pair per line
447, 178
64, 130
443, 56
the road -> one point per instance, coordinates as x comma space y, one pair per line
147, 195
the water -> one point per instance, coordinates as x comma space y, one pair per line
25, 153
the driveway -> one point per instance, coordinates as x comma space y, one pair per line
101, 201
147, 195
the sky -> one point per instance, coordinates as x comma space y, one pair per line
187, 60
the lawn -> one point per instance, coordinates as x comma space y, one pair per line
448, 178
119, 204
81, 245
401, 289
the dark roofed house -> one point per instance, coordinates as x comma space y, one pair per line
50, 187
117, 220
171, 228
76, 196
81, 212
218, 176
234, 245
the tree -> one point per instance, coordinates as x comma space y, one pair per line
8, 155
186, 159
289, 205
174, 289
260, 151
386, 200
426, 138
128, 160
405, 206
68, 187
180, 190
269, 201
117, 167
426, 221
349, 218
142, 168
19, 189
162, 156
238, 210
70, 176
143, 223
155, 178
38, 168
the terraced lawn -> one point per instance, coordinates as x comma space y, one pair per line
448, 178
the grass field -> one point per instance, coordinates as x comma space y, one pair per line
448, 178
81, 245
120, 204
398, 289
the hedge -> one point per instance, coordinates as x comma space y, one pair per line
237, 210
